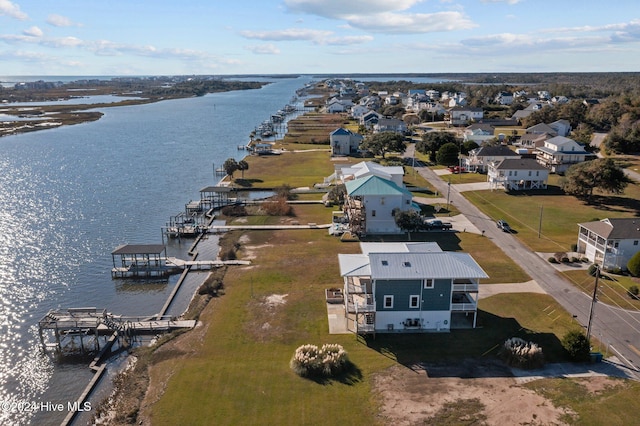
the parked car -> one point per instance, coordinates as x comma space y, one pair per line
457, 169
438, 224
503, 225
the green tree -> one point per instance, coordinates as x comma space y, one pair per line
633, 265
381, 143
242, 166
230, 166
337, 194
577, 345
408, 220
602, 174
448, 154
431, 142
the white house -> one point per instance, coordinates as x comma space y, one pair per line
370, 118
479, 133
344, 142
479, 159
609, 242
358, 111
562, 127
517, 174
559, 153
409, 287
371, 204
464, 115
504, 98
390, 125
347, 172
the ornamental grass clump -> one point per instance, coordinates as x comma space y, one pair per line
519, 353
328, 361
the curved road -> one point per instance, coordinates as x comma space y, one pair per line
618, 329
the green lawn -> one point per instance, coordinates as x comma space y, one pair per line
560, 213
612, 289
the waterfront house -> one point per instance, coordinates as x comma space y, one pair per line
559, 153
516, 174
371, 204
346, 172
609, 242
409, 287
344, 142
479, 159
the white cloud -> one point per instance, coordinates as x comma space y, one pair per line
263, 49
291, 34
340, 8
33, 32
61, 21
13, 10
412, 23
347, 40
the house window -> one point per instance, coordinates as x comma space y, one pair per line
406, 264
529, 172
388, 302
537, 172
510, 172
615, 244
373, 213
382, 201
414, 301
385, 263
428, 283
635, 243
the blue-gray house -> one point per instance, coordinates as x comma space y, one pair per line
393, 287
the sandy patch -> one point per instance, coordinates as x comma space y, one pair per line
415, 396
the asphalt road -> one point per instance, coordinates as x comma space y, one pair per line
617, 328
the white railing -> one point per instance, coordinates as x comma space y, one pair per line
469, 287
463, 307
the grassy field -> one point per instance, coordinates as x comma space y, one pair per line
612, 289
235, 369
560, 213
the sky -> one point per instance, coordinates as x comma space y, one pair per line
160, 37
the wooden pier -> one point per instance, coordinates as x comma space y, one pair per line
140, 261
84, 331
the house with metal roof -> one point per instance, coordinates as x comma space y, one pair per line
516, 174
346, 172
609, 242
479, 159
371, 204
409, 287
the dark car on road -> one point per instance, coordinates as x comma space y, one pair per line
503, 225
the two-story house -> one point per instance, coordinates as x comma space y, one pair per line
461, 115
409, 287
609, 242
559, 153
344, 142
371, 204
479, 159
516, 174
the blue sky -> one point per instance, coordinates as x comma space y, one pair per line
152, 37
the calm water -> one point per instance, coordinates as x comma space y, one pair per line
69, 196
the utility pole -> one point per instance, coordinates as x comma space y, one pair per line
594, 299
448, 193
540, 223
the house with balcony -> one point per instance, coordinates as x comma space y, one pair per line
390, 125
517, 174
461, 115
609, 242
344, 142
346, 172
479, 159
371, 204
409, 287
559, 153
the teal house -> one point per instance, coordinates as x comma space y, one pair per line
409, 287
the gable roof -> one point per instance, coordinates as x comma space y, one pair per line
341, 131
374, 185
495, 151
615, 229
424, 265
542, 128
519, 164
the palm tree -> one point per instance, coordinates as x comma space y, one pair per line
242, 166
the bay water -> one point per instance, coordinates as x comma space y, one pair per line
69, 196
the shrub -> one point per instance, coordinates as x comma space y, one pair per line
552, 260
577, 345
560, 255
574, 259
519, 353
308, 360
574, 247
237, 210
633, 265
633, 292
278, 207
